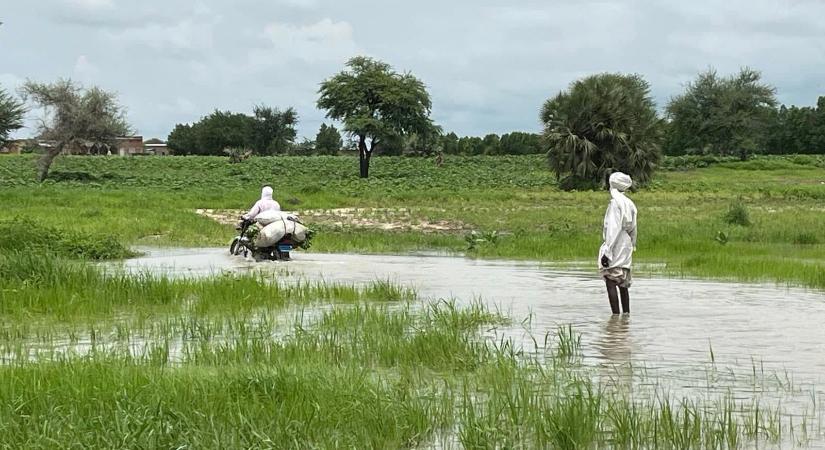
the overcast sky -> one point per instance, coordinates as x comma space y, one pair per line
488, 64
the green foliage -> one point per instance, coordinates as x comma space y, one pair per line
268, 131
212, 134
11, 115
600, 124
328, 141
304, 148
422, 144
519, 143
375, 103
26, 235
737, 214
152, 201
797, 130
805, 238
515, 143
273, 131
721, 115
307, 240
476, 238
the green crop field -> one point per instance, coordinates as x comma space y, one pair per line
685, 228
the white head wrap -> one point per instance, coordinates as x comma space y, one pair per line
266, 193
620, 181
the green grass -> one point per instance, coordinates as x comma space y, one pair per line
151, 201
101, 359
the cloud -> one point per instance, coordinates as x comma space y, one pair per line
488, 64
85, 70
92, 5
321, 41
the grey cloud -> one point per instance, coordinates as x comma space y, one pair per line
489, 64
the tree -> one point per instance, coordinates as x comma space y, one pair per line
519, 143
304, 148
273, 131
270, 131
450, 143
328, 141
153, 141
375, 103
721, 115
221, 130
11, 115
602, 123
491, 145
183, 140
74, 115
423, 144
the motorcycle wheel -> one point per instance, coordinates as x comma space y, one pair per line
235, 247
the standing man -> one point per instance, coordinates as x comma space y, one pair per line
619, 235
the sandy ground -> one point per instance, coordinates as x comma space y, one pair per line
385, 219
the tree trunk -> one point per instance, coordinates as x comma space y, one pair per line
364, 157
46, 160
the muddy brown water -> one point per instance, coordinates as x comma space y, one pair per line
748, 340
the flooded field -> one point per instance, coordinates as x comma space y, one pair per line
755, 343
675, 322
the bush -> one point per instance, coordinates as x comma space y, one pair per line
24, 235
575, 183
805, 239
738, 214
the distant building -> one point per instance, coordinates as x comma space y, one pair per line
14, 147
122, 146
129, 145
156, 149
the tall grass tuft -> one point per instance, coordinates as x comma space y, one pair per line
737, 214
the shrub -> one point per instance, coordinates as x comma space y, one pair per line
738, 214
805, 239
24, 235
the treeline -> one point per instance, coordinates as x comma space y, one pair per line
797, 130
737, 115
269, 131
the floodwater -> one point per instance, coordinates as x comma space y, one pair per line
747, 340
673, 321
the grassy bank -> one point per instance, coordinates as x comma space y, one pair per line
683, 229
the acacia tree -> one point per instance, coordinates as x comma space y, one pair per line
602, 123
722, 115
74, 115
11, 115
375, 103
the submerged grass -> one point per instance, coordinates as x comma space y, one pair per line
34, 285
230, 363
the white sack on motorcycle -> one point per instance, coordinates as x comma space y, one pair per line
272, 233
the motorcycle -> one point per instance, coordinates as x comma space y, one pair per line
243, 244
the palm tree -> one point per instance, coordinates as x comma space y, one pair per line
602, 123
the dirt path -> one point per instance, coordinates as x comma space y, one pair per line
384, 219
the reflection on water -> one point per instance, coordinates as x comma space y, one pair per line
615, 343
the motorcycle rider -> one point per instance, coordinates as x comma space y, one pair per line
266, 203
